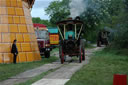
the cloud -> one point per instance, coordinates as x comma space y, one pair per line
39, 13
38, 9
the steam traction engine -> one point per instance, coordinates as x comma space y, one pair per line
71, 42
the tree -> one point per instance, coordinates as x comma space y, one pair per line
97, 15
58, 10
121, 26
40, 21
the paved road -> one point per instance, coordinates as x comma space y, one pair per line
62, 75
59, 77
29, 74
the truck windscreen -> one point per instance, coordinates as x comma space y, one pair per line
42, 34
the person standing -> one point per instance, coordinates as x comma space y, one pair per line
14, 51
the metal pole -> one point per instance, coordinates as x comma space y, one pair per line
80, 31
60, 33
75, 32
64, 30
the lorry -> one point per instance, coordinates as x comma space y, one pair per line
43, 39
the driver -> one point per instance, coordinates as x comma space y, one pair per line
70, 33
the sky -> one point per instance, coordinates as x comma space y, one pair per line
38, 9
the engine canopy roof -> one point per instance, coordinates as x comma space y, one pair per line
70, 22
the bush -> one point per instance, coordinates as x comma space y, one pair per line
121, 37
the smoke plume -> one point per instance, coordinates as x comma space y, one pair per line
77, 7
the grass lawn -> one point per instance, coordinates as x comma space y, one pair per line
103, 65
8, 70
89, 46
55, 50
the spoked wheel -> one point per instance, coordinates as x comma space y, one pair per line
47, 54
98, 43
61, 55
62, 59
83, 56
80, 55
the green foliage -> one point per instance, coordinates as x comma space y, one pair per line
97, 15
58, 10
89, 46
120, 24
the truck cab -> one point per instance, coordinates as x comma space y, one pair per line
43, 40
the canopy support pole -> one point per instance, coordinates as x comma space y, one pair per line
75, 32
64, 30
80, 31
60, 33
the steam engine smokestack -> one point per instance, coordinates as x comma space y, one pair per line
77, 18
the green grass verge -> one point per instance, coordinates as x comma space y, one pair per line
89, 46
8, 70
55, 50
103, 65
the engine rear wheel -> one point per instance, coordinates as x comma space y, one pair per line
80, 55
83, 56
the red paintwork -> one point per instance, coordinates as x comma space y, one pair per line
41, 44
39, 25
120, 79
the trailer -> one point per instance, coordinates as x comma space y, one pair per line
54, 36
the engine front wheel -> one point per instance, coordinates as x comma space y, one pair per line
47, 54
61, 55
62, 59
